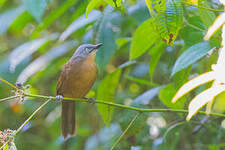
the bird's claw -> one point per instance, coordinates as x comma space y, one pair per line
59, 98
91, 100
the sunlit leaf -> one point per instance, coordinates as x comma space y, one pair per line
106, 91
195, 2
190, 85
216, 25
114, 3
168, 19
79, 23
20, 22
144, 37
41, 62
7, 18
27, 49
219, 103
92, 4
122, 41
166, 94
190, 56
203, 98
36, 7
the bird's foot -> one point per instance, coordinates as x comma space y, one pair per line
59, 98
91, 100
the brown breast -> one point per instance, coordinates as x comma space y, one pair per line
77, 77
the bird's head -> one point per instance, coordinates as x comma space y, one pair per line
86, 50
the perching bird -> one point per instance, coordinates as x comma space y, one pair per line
76, 79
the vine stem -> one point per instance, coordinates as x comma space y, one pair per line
25, 122
124, 106
125, 131
202, 7
8, 98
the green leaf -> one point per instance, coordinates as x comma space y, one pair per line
106, 91
114, 3
169, 21
20, 22
107, 33
92, 4
166, 94
8, 17
190, 56
155, 53
181, 77
144, 37
36, 7
122, 41
52, 17
207, 17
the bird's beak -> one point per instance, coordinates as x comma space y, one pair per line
98, 45
95, 47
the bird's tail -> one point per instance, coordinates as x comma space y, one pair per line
68, 119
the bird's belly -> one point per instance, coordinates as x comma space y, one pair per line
84, 81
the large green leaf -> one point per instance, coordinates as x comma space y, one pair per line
207, 17
190, 56
36, 7
168, 19
107, 33
144, 37
166, 94
106, 91
92, 4
155, 53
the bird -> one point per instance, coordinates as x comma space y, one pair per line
76, 79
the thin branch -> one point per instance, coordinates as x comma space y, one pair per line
125, 131
202, 7
8, 98
31, 116
3, 146
124, 106
10, 84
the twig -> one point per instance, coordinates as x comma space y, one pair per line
25, 122
31, 116
10, 84
125, 131
125, 106
8, 98
3, 146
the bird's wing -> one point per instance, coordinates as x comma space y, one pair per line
63, 84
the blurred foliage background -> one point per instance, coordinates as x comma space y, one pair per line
144, 60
